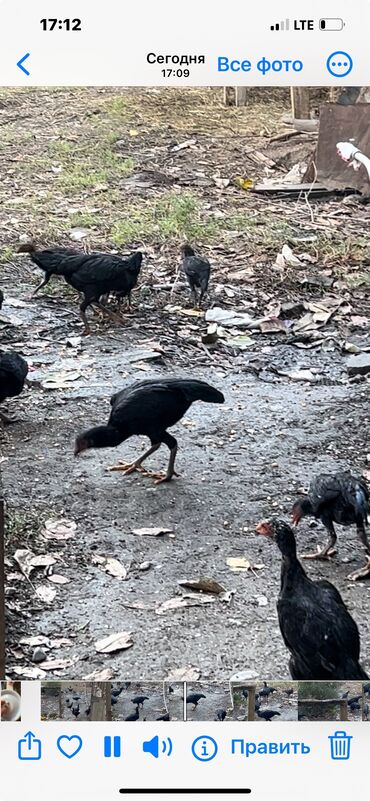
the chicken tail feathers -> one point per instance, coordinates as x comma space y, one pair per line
361, 503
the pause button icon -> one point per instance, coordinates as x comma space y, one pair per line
112, 747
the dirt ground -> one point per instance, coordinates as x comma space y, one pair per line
78, 185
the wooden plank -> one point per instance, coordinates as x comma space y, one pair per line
300, 100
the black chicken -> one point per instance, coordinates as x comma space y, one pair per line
266, 691
197, 271
13, 373
220, 714
166, 716
134, 715
92, 274
194, 698
267, 714
149, 408
139, 700
317, 628
75, 709
340, 498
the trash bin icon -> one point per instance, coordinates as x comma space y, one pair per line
340, 745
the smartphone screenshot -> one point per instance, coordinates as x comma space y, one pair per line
184, 401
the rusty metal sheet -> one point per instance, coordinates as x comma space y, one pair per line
340, 124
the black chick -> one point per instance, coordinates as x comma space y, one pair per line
220, 714
267, 714
339, 498
197, 271
139, 700
75, 709
354, 700
245, 693
266, 691
116, 692
194, 698
92, 274
166, 716
316, 626
134, 715
149, 408
13, 373
289, 691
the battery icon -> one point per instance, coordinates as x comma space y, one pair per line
331, 24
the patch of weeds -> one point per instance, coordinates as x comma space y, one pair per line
173, 216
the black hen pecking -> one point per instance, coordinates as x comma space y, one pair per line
92, 274
148, 408
13, 373
339, 498
317, 628
197, 271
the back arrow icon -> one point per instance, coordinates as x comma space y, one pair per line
20, 63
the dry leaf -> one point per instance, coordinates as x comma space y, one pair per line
58, 664
184, 602
56, 579
100, 675
203, 584
60, 380
152, 532
46, 594
59, 529
25, 672
33, 641
184, 674
115, 642
111, 566
241, 564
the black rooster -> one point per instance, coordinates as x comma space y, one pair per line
317, 628
197, 271
13, 373
194, 698
92, 274
339, 498
148, 408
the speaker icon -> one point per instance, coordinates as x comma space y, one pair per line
152, 746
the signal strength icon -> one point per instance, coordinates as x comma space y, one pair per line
284, 25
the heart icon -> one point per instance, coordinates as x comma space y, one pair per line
69, 746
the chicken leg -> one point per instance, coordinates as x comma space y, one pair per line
363, 572
129, 468
329, 550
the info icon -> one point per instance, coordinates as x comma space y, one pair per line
204, 748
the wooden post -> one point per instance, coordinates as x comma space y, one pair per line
251, 703
300, 100
343, 709
229, 96
100, 695
241, 96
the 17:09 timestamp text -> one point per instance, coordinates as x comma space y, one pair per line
169, 73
